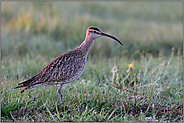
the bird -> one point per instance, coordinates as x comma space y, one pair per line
66, 67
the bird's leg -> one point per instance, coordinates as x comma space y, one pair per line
60, 94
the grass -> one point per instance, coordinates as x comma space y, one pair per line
108, 90
100, 93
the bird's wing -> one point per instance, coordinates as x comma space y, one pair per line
64, 68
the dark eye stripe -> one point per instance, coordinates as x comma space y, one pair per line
95, 32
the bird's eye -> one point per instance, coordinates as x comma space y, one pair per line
94, 31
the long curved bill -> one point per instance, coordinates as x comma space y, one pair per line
103, 34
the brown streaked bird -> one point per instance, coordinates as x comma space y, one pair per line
66, 67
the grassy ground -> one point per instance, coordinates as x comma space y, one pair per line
109, 89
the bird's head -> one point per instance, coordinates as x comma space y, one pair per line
94, 32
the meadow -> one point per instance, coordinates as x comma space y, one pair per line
140, 81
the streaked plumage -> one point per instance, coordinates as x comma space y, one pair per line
66, 67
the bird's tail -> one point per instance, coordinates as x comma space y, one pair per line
25, 84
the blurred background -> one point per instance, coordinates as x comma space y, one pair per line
48, 29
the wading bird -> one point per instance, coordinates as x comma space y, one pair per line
66, 67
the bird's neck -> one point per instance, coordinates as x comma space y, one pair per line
86, 45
